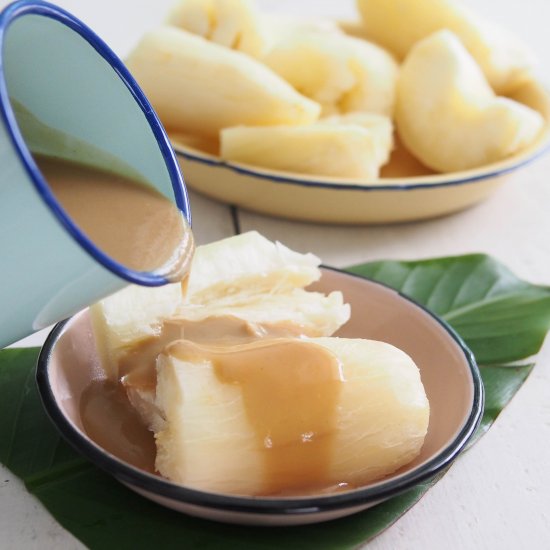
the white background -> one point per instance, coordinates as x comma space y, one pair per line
497, 496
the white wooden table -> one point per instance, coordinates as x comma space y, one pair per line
497, 496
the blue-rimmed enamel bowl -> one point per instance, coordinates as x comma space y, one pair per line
406, 191
68, 364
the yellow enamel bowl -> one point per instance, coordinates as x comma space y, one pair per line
392, 198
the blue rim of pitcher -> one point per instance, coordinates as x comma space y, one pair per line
36, 7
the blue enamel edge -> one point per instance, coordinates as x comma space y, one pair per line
25, 7
357, 186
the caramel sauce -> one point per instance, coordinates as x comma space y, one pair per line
129, 221
104, 403
137, 366
230, 329
290, 390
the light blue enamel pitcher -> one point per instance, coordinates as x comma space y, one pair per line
64, 92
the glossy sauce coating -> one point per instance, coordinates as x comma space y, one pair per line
105, 402
290, 390
137, 366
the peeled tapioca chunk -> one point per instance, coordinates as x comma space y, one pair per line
342, 73
246, 276
447, 114
247, 265
235, 24
399, 24
287, 416
200, 87
355, 145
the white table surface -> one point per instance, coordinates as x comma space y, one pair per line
497, 496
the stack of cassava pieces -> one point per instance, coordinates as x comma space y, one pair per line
245, 388
326, 98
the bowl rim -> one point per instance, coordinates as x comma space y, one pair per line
433, 181
161, 487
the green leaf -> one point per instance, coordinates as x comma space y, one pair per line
501, 384
102, 513
25, 431
500, 317
486, 303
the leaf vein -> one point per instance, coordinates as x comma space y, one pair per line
484, 303
435, 287
475, 267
